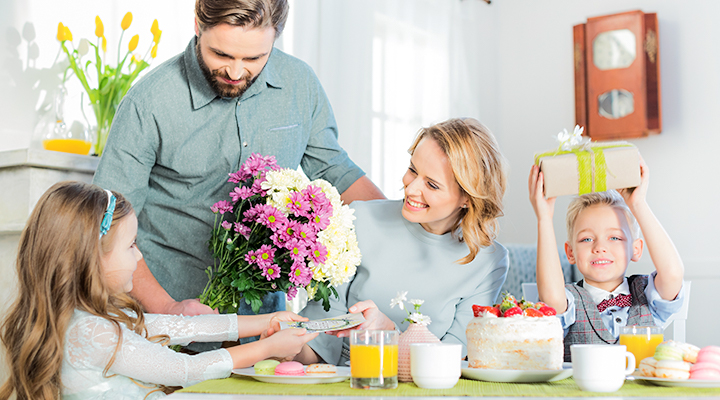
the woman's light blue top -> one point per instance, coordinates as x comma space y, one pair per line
398, 255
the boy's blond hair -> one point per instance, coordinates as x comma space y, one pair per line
609, 198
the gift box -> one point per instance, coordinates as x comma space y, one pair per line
592, 167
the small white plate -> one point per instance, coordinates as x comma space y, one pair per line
516, 376
691, 383
343, 373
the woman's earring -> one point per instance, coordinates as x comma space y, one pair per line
464, 206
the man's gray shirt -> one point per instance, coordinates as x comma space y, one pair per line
173, 143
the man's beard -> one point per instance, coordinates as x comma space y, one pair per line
222, 89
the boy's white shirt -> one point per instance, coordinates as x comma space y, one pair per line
599, 295
615, 317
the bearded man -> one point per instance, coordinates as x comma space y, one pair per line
191, 121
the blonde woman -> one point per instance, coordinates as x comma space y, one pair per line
73, 331
437, 243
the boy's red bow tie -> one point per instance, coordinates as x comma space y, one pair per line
621, 300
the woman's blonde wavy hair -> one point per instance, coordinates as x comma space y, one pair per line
59, 270
479, 169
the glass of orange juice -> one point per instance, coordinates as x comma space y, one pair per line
373, 359
641, 340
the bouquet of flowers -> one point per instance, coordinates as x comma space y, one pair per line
279, 232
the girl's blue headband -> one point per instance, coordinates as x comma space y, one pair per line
108, 216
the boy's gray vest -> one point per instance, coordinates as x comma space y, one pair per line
589, 327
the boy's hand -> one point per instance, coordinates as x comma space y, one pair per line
287, 343
635, 197
543, 207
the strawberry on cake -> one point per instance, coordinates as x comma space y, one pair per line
515, 335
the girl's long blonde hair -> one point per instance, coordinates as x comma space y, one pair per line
479, 169
59, 270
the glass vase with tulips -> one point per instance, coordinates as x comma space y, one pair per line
105, 84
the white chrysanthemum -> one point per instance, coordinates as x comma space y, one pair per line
416, 302
398, 300
279, 184
420, 319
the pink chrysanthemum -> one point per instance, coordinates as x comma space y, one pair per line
317, 198
241, 193
305, 233
319, 220
265, 255
300, 274
242, 229
271, 217
292, 292
257, 186
298, 250
226, 225
256, 164
237, 177
298, 205
271, 271
318, 253
252, 257
288, 229
221, 207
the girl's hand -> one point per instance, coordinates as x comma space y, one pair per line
374, 318
635, 197
282, 316
543, 207
287, 343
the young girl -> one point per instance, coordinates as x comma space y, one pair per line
437, 243
74, 332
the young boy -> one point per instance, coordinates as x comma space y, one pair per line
603, 237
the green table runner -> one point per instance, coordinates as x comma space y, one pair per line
464, 387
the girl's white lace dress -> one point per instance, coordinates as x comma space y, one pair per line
140, 364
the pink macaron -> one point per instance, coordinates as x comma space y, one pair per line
709, 354
290, 368
705, 370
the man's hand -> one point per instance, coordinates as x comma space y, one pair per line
188, 308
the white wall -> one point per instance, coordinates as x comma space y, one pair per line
535, 100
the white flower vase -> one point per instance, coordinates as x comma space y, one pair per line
415, 333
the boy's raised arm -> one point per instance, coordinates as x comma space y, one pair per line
550, 278
664, 255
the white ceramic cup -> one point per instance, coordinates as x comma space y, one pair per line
435, 365
601, 367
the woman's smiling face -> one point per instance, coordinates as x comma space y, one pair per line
433, 197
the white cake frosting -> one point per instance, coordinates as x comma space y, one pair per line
517, 342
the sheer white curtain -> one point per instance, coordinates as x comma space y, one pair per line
391, 67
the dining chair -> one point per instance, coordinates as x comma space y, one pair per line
530, 293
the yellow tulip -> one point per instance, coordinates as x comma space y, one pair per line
153, 52
68, 34
126, 21
133, 43
104, 44
99, 28
156, 38
61, 32
154, 28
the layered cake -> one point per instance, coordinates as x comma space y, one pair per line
513, 337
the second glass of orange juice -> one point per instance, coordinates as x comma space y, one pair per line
373, 359
641, 340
